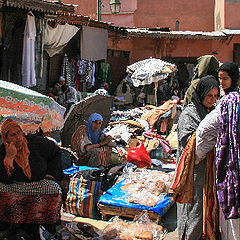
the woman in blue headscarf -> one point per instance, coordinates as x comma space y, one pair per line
92, 146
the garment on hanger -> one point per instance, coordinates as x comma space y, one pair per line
104, 74
28, 56
65, 71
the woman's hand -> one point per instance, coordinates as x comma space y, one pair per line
91, 146
120, 152
106, 140
11, 152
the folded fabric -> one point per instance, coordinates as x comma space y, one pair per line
183, 181
152, 116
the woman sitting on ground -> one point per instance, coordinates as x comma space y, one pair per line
92, 146
30, 169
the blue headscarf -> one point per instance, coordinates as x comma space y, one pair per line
93, 136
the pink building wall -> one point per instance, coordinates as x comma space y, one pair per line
141, 48
126, 16
85, 7
195, 16
232, 8
198, 16
192, 15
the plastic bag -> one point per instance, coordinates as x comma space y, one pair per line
139, 156
140, 228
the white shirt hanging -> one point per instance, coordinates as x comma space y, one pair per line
28, 56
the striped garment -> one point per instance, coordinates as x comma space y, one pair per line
182, 184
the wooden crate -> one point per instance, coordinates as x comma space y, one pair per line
108, 211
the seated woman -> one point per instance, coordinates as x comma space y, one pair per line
92, 146
30, 169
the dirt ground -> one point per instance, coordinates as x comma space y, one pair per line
168, 221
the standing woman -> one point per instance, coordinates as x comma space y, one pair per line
228, 74
190, 215
222, 128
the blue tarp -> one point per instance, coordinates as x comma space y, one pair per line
115, 196
75, 169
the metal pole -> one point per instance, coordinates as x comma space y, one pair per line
99, 5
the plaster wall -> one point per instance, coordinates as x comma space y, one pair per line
232, 8
142, 48
85, 7
192, 15
195, 16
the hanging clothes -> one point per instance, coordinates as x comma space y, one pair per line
85, 71
72, 73
82, 66
65, 70
104, 74
28, 57
40, 26
77, 81
93, 74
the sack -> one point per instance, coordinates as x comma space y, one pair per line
111, 175
83, 194
139, 156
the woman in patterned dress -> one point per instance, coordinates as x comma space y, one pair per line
30, 172
92, 146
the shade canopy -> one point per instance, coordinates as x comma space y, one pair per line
149, 70
80, 112
32, 110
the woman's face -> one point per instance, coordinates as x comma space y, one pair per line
211, 97
96, 125
225, 80
15, 135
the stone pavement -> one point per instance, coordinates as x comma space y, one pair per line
169, 221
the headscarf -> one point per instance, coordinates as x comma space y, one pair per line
204, 86
232, 69
23, 152
93, 136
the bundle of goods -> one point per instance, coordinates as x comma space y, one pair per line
147, 187
143, 189
157, 145
138, 229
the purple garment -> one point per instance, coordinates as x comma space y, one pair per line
228, 157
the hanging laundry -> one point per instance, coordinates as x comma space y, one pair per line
28, 56
65, 70
77, 80
104, 74
93, 74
